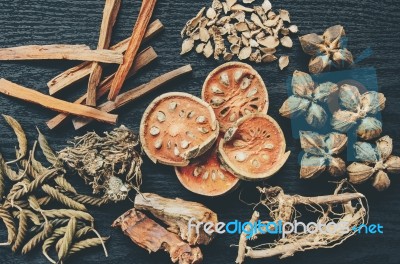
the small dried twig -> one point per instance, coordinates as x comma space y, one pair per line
110, 14
60, 52
144, 58
79, 72
29, 95
134, 94
139, 30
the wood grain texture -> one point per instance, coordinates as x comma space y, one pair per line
367, 23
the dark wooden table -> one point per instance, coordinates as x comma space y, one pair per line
369, 24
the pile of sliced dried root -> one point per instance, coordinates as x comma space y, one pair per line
230, 28
42, 208
344, 206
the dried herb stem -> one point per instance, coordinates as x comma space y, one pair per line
21, 137
62, 198
38, 238
10, 226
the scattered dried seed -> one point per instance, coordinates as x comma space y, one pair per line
187, 45
213, 175
238, 75
224, 79
197, 171
241, 26
245, 83
293, 29
244, 53
185, 144
252, 92
203, 130
256, 19
158, 144
247, 35
169, 144
283, 62
217, 101
255, 163
161, 116
240, 156
287, 42
205, 175
233, 39
269, 146
154, 131
176, 151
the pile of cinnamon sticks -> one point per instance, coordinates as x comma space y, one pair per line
125, 53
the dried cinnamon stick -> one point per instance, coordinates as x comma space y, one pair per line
110, 14
139, 30
29, 95
79, 72
134, 94
60, 52
143, 59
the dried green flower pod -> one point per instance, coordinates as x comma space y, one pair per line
302, 84
384, 145
365, 152
324, 91
393, 164
319, 64
342, 58
381, 181
336, 142
343, 120
294, 106
337, 167
312, 142
349, 97
369, 128
311, 166
359, 172
373, 102
316, 116
333, 34
312, 44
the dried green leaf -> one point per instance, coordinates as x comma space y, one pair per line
316, 116
369, 128
311, 166
294, 106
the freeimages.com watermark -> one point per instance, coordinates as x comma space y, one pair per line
280, 227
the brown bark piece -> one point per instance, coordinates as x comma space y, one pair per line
60, 52
177, 213
79, 72
149, 235
29, 95
144, 58
139, 30
110, 14
134, 94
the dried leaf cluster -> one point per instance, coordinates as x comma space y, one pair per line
375, 162
230, 28
42, 208
110, 164
327, 50
320, 154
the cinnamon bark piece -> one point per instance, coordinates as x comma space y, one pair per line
79, 72
60, 52
149, 235
144, 58
110, 14
134, 94
29, 95
139, 30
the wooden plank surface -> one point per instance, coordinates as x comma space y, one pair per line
368, 23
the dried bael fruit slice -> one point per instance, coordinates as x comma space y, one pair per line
206, 175
234, 90
254, 148
177, 127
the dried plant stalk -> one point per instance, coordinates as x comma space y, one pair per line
21, 137
68, 213
46, 149
144, 58
38, 238
22, 230
60, 52
134, 94
139, 30
58, 196
29, 95
87, 243
110, 14
10, 226
149, 235
66, 241
243, 239
178, 220
79, 72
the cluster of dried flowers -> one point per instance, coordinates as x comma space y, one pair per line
49, 211
327, 50
230, 29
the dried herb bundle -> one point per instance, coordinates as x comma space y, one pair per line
327, 50
110, 164
358, 111
307, 99
41, 206
342, 208
375, 162
252, 32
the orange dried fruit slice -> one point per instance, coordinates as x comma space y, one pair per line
254, 148
206, 176
177, 127
234, 90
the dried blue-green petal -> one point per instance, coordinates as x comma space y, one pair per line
316, 116
332, 35
319, 64
336, 167
312, 142
294, 106
324, 91
384, 145
302, 84
373, 102
336, 142
343, 121
342, 58
369, 128
366, 152
312, 166
312, 44
381, 181
359, 172
349, 97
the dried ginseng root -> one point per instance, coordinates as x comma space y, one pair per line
234, 90
110, 164
375, 162
254, 148
320, 154
359, 112
177, 127
177, 214
327, 50
151, 236
206, 176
